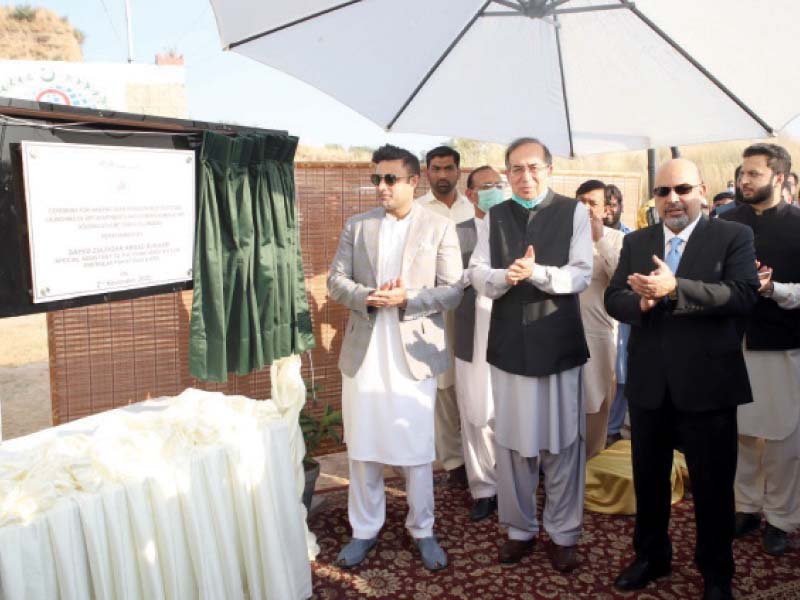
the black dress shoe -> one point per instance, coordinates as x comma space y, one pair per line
482, 508
457, 478
717, 591
639, 573
774, 541
746, 523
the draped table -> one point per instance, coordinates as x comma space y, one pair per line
194, 496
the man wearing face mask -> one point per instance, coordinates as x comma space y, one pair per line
533, 258
473, 387
598, 373
768, 471
684, 285
443, 170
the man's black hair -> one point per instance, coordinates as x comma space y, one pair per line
793, 175
738, 197
441, 152
548, 158
724, 196
778, 158
590, 185
471, 176
389, 152
613, 193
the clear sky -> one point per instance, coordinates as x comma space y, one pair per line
221, 86
224, 86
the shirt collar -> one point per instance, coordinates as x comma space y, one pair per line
683, 233
405, 219
429, 197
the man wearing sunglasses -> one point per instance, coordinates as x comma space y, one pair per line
683, 285
533, 258
397, 269
768, 475
443, 170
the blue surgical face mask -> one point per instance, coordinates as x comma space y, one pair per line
489, 198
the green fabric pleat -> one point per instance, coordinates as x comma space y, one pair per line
249, 306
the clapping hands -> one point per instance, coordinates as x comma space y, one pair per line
659, 283
522, 268
390, 294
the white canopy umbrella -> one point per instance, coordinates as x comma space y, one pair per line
585, 76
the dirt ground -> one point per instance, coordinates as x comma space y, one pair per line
24, 375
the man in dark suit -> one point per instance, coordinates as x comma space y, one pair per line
683, 285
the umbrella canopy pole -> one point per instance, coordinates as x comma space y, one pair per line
564, 88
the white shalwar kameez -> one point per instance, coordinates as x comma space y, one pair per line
476, 405
539, 421
387, 414
768, 467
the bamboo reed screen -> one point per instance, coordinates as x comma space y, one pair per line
109, 355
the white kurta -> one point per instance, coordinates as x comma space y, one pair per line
775, 379
387, 414
600, 328
473, 385
461, 210
537, 413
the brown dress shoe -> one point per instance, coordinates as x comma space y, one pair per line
512, 551
563, 558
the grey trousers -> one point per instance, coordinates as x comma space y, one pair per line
564, 484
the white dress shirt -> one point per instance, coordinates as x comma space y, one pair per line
683, 234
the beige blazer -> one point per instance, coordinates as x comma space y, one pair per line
431, 273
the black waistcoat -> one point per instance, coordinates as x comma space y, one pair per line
777, 241
464, 335
531, 332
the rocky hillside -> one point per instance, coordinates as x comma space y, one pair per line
38, 34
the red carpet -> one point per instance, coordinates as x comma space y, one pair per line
393, 569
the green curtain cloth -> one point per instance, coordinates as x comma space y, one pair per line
249, 304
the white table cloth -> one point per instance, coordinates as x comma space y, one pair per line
187, 497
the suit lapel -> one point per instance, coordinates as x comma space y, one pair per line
414, 237
372, 229
693, 248
656, 245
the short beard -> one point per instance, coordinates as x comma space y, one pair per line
761, 194
677, 223
612, 222
442, 184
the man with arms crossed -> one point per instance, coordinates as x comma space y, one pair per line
397, 269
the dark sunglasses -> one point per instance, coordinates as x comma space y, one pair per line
389, 178
681, 189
